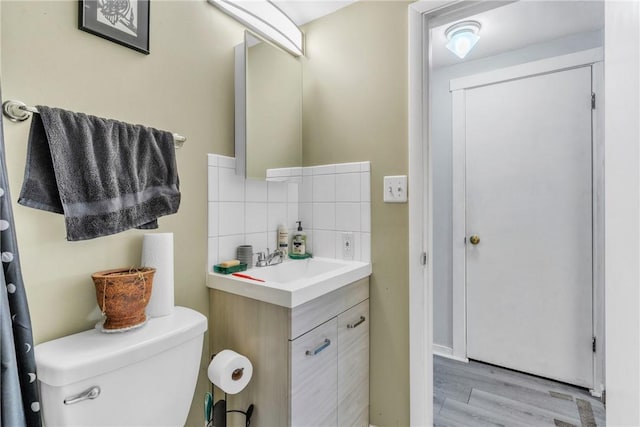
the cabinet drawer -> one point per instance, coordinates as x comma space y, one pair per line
321, 309
353, 366
314, 376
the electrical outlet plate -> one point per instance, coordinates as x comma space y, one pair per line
395, 189
347, 246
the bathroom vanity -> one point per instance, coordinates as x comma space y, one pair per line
310, 356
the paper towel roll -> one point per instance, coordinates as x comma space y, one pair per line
157, 252
230, 371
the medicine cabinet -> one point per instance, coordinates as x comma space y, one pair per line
268, 108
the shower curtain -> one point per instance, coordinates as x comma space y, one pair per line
19, 400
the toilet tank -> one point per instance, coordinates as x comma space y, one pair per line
146, 376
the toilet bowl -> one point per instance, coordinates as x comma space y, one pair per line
143, 377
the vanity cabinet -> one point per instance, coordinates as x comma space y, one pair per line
314, 376
353, 366
310, 362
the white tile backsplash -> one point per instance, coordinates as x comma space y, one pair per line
277, 192
365, 186
213, 191
212, 253
293, 215
278, 173
231, 218
227, 246
348, 217
309, 240
293, 195
328, 199
305, 211
272, 240
305, 194
259, 241
231, 186
324, 243
227, 162
323, 170
348, 167
213, 217
276, 215
255, 217
357, 246
256, 191
365, 217
348, 187
365, 247
324, 188
324, 216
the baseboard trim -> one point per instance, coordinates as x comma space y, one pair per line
443, 351
598, 391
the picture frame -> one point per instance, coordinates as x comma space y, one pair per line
125, 22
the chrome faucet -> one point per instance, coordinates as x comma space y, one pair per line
270, 258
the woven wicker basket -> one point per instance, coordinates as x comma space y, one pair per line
123, 295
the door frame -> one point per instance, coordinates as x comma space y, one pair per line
622, 162
592, 58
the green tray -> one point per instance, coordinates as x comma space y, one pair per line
228, 270
300, 256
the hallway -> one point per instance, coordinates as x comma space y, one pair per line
477, 394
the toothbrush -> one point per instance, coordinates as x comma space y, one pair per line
246, 276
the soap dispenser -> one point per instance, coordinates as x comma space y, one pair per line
299, 241
283, 240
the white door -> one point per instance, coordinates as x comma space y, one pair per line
529, 200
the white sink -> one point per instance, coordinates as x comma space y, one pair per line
293, 282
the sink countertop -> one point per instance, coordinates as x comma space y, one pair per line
294, 282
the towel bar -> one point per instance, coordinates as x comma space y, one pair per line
17, 111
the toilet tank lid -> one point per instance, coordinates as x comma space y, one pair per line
87, 354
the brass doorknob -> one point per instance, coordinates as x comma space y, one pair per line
475, 239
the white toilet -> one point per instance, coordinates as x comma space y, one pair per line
143, 377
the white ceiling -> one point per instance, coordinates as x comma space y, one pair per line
511, 26
520, 24
304, 11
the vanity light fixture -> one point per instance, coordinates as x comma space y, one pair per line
462, 37
267, 20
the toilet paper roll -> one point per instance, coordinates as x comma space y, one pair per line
230, 371
157, 252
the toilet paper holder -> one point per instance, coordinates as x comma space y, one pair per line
237, 374
217, 417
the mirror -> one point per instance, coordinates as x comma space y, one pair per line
268, 92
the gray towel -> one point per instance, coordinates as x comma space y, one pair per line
105, 176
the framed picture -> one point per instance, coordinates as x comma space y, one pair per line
125, 22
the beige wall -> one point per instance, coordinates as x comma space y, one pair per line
185, 85
355, 109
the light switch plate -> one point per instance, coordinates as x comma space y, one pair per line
395, 189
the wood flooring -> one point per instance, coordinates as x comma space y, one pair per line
476, 394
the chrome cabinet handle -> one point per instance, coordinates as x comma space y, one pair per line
91, 393
358, 323
325, 344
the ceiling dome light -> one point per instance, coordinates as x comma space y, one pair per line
462, 37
